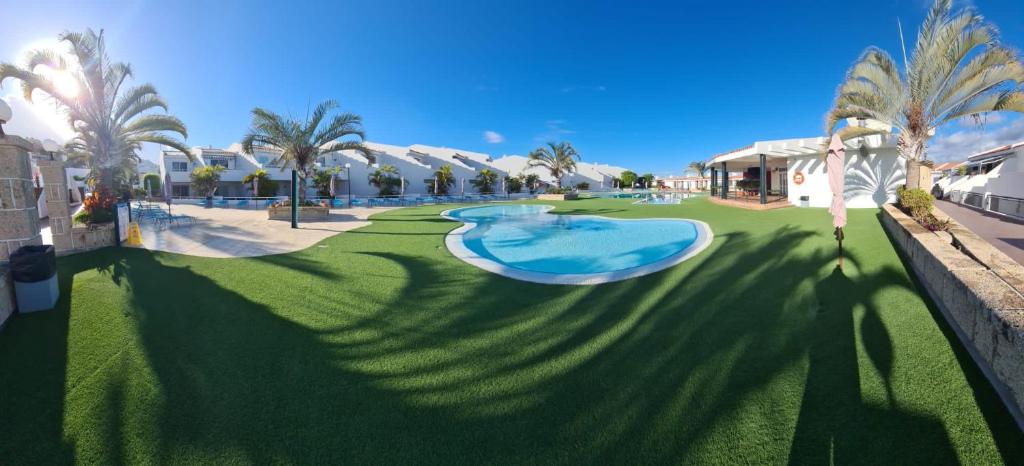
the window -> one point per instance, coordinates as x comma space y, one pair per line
219, 163
179, 166
179, 190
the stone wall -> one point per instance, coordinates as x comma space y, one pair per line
89, 238
305, 213
19, 217
977, 289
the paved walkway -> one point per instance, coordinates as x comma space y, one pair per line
1003, 233
225, 232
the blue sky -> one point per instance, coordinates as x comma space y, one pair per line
650, 86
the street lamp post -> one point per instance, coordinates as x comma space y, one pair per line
348, 175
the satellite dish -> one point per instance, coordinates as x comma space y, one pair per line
50, 145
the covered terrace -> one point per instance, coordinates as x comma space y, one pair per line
762, 169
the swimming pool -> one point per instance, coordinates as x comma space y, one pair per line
525, 242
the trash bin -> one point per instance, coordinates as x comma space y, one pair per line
34, 272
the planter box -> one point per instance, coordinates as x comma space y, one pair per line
975, 286
305, 213
87, 238
558, 197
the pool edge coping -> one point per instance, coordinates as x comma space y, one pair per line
457, 247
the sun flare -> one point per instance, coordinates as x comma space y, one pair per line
65, 83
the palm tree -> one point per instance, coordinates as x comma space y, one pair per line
385, 179
957, 69
532, 182
262, 184
442, 180
698, 166
110, 121
558, 158
485, 181
301, 143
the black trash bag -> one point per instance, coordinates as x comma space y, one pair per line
30, 264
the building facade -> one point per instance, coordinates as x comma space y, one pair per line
793, 170
993, 181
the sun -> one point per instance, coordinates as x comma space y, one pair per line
64, 82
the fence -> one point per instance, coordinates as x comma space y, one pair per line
1011, 206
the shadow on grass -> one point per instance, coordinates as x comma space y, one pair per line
1008, 438
33, 383
456, 365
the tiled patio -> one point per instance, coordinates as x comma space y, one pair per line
225, 232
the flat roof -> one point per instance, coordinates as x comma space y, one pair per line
784, 148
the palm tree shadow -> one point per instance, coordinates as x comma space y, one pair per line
34, 359
835, 425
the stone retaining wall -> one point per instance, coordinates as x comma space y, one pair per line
305, 213
86, 239
977, 289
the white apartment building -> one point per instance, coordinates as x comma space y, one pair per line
416, 164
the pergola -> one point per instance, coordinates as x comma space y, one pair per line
765, 155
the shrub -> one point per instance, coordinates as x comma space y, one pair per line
97, 207
583, 186
916, 202
554, 190
153, 181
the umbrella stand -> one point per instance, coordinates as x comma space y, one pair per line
839, 238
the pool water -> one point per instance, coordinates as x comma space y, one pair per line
527, 242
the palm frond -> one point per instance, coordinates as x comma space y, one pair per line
150, 123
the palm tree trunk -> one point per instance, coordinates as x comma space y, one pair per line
912, 149
107, 178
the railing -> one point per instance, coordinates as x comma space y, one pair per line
1006, 205
1011, 206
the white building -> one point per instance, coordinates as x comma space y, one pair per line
599, 177
416, 164
994, 181
236, 166
794, 171
687, 182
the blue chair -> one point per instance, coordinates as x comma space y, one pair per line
357, 203
337, 203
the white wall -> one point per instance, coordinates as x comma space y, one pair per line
872, 176
1007, 179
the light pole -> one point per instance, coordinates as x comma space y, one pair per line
295, 198
348, 176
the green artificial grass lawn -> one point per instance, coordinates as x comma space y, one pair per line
378, 346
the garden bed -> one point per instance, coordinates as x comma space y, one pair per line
284, 212
558, 197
